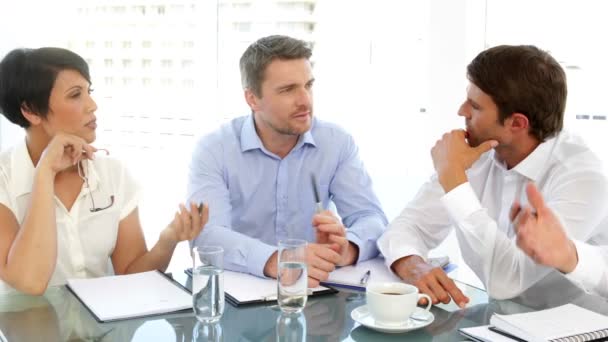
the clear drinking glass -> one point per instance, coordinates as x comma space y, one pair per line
291, 327
292, 279
208, 283
207, 332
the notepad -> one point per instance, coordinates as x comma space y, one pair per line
121, 297
243, 288
351, 276
564, 323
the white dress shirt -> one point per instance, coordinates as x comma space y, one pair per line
85, 239
570, 178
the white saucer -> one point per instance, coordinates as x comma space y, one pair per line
363, 317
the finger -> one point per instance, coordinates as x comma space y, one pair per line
196, 221
89, 151
535, 198
312, 282
515, 209
485, 146
335, 228
339, 240
322, 264
448, 284
327, 254
324, 217
184, 233
435, 286
317, 273
423, 287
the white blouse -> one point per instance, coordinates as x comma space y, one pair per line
85, 239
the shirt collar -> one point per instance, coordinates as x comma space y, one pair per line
250, 139
533, 166
24, 171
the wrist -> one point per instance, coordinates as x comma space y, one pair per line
352, 254
572, 259
270, 268
167, 239
451, 177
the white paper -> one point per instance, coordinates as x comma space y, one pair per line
562, 321
484, 334
351, 275
132, 295
245, 287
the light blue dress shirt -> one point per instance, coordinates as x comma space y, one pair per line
256, 198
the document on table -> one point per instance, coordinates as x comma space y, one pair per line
129, 296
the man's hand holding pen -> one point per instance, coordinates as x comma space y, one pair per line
330, 231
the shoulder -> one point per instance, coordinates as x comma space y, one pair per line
328, 132
570, 151
227, 134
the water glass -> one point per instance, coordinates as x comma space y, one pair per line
292, 279
291, 327
207, 332
208, 283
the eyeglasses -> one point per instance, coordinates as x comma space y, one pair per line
82, 174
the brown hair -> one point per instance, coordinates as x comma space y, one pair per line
259, 54
523, 79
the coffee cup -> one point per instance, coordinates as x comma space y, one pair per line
393, 303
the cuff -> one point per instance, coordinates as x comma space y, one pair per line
588, 271
257, 259
461, 202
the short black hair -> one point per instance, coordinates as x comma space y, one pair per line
27, 77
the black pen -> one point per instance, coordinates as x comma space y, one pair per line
365, 278
504, 333
319, 204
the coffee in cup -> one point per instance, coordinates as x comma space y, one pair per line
393, 303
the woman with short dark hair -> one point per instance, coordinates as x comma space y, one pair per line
64, 211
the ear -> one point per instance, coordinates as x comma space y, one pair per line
252, 100
518, 122
33, 118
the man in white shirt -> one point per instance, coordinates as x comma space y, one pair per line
514, 117
541, 236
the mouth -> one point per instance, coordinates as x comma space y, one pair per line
301, 115
92, 124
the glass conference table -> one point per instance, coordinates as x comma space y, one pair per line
59, 316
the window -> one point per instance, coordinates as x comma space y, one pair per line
108, 62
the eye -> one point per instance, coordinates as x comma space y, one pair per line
75, 95
91, 90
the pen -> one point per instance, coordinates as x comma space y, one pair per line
365, 278
319, 204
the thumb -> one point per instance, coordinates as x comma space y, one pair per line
535, 198
485, 147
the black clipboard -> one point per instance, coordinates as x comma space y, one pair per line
235, 302
167, 276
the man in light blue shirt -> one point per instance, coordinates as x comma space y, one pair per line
255, 173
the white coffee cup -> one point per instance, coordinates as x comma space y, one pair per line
393, 303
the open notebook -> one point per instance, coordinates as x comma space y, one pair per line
561, 324
243, 288
354, 277
129, 296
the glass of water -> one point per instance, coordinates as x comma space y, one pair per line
208, 283
292, 279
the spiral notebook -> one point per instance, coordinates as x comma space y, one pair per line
560, 324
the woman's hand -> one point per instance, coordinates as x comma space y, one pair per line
64, 151
186, 225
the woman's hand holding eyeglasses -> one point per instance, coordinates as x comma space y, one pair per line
187, 224
64, 151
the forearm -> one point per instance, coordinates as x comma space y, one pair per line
35, 245
157, 258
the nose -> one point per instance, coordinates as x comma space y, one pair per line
92, 105
463, 110
304, 98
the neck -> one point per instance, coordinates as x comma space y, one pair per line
513, 154
275, 142
36, 142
